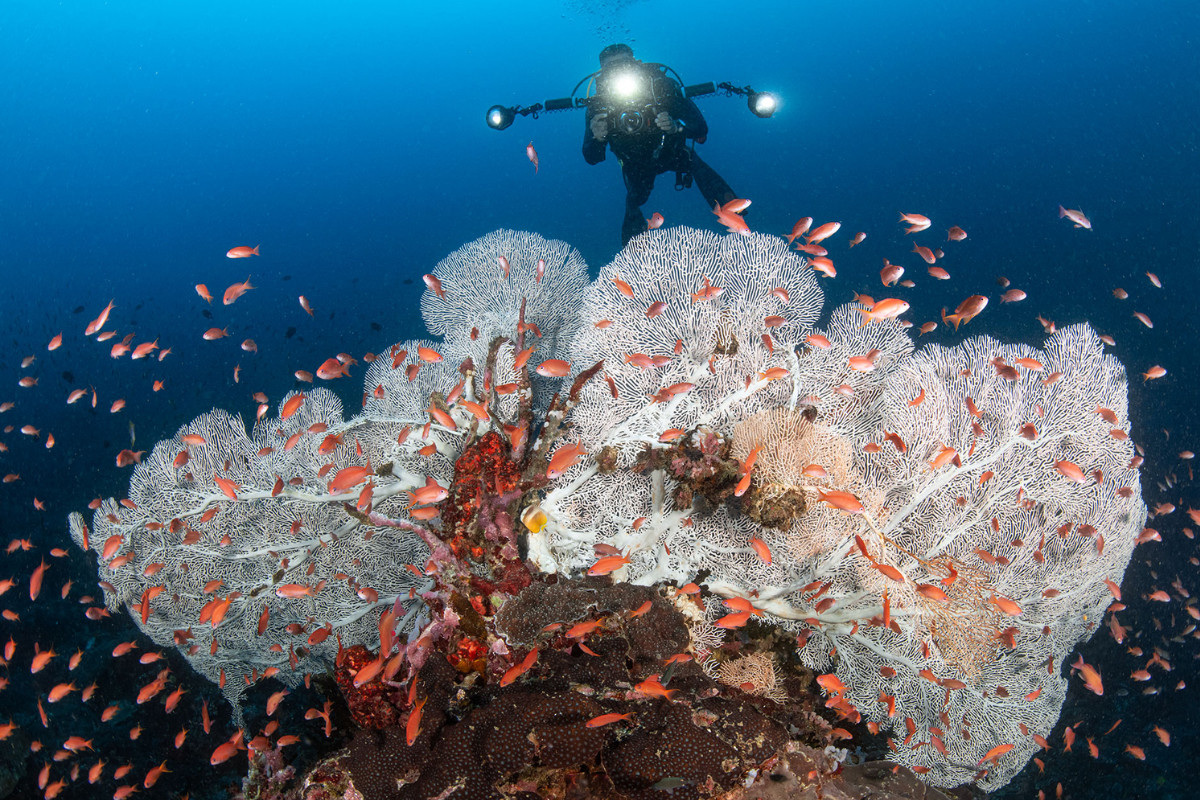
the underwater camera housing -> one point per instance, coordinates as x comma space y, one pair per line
633, 95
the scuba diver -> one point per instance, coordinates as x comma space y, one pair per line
642, 114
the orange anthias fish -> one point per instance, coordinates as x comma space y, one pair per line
238, 289
608, 564
1152, 373
35, 581
887, 308
99, 321
995, 753
292, 406
563, 459
1077, 217
431, 492
732, 222
520, 669
831, 683
967, 310
532, 155
607, 719
924, 252
916, 222
1091, 676
843, 501
202, 290
350, 476
332, 368
243, 252
823, 232
799, 229
653, 687
413, 728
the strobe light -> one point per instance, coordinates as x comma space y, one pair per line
762, 104
500, 117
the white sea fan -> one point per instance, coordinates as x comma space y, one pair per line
1008, 502
985, 532
248, 545
950, 452
720, 339
719, 326
478, 294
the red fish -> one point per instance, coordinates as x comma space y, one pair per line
916, 222
1077, 217
100, 321
799, 229
1152, 373
332, 368
413, 728
732, 222
654, 688
35, 581
227, 487
843, 501
243, 252
563, 459
891, 273
823, 232
238, 289
553, 368
520, 669
532, 155
887, 308
607, 719
292, 405
608, 564
924, 252
995, 753
350, 476
967, 310
434, 285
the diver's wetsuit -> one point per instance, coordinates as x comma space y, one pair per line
639, 166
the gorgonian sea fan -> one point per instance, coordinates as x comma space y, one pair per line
916, 523
185, 547
998, 523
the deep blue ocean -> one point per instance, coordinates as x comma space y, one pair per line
140, 141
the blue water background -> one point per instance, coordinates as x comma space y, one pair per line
140, 141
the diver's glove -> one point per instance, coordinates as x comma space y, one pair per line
665, 123
600, 126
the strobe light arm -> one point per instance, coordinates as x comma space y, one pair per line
761, 104
500, 117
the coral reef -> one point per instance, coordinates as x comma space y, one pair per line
751, 499
532, 739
